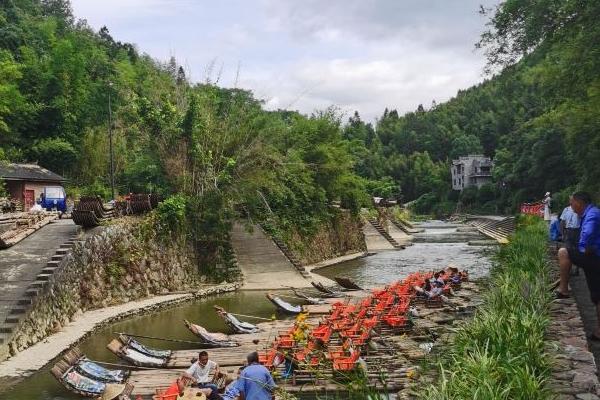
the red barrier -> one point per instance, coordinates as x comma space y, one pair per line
533, 209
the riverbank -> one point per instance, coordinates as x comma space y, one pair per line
502, 353
28, 361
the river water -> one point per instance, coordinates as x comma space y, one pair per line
375, 270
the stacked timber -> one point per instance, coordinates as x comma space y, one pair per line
16, 226
89, 211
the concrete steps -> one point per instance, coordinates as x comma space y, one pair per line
291, 256
405, 227
498, 230
36, 288
263, 262
384, 233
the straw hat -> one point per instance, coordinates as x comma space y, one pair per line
192, 394
112, 390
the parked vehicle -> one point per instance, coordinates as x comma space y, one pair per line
54, 198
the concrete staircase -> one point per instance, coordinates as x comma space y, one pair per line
405, 227
498, 230
263, 262
384, 233
291, 256
20, 306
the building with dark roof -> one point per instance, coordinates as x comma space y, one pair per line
26, 182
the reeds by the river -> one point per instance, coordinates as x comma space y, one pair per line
500, 353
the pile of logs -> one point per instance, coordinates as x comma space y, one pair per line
90, 211
16, 226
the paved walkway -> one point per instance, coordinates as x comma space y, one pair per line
580, 291
263, 264
21, 263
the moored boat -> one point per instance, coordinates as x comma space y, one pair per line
235, 324
137, 354
325, 290
86, 378
284, 306
346, 283
212, 338
310, 299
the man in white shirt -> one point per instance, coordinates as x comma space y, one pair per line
569, 222
201, 372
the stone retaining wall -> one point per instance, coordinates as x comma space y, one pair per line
111, 267
342, 235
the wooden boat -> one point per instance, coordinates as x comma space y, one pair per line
235, 324
85, 378
310, 299
92, 370
137, 354
325, 290
284, 306
346, 283
215, 339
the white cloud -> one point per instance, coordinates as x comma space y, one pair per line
310, 54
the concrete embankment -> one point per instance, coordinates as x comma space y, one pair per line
263, 264
113, 266
35, 357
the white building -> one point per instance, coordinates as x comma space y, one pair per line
472, 170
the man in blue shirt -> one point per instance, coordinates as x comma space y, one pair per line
586, 254
256, 381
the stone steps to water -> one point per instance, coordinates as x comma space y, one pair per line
22, 304
405, 227
291, 256
498, 230
384, 233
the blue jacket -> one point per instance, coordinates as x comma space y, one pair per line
590, 230
257, 382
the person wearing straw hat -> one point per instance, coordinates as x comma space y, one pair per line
112, 391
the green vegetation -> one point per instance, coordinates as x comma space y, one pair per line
537, 118
500, 354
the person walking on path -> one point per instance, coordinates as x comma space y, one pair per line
585, 255
569, 224
547, 202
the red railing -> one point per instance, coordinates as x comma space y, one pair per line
533, 209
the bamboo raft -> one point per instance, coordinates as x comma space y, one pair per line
392, 354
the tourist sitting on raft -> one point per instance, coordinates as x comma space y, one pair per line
431, 290
202, 372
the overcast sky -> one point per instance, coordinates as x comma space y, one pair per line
310, 54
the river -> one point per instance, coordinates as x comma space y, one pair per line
375, 270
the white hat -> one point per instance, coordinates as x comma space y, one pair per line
547, 194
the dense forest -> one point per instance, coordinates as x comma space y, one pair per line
537, 118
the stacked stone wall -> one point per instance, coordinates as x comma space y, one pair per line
111, 267
340, 236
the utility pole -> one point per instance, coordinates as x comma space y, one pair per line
110, 138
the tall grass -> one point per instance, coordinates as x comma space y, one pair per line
500, 353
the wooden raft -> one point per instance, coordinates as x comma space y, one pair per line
393, 355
